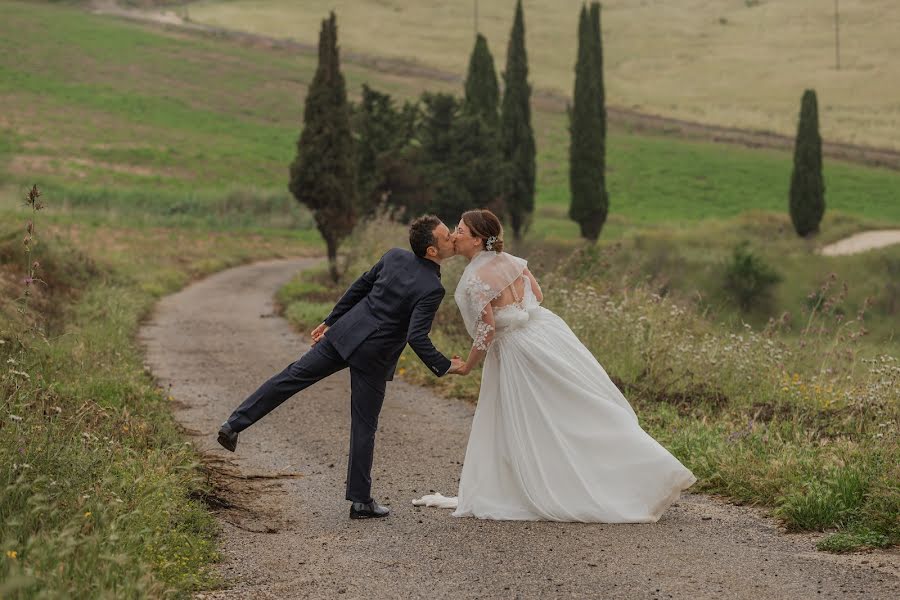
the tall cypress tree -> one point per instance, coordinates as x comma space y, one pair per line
323, 175
601, 87
807, 198
589, 202
516, 135
482, 90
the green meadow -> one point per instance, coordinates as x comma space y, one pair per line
160, 115
163, 157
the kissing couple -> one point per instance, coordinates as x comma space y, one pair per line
552, 437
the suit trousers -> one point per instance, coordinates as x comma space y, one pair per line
366, 399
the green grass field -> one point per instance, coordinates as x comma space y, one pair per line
168, 119
163, 157
727, 62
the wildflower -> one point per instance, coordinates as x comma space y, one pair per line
401, 371
11, 554
87, 514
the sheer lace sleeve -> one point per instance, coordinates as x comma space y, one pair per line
484, 329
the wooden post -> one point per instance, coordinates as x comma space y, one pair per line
837, 36
476, 17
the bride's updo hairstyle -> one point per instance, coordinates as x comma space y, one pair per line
485, 224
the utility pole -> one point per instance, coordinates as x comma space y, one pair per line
837, 36
476, 16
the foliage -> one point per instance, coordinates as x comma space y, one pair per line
807, 194
382, 133
323, 175
587, 180
516, 134
482, 92
748, 279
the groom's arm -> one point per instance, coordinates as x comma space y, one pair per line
356, 292
420, 327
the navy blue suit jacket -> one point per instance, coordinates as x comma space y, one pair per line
392, 304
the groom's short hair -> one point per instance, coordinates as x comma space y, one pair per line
421, 234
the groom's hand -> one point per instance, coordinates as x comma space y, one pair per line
317, 333
457, 366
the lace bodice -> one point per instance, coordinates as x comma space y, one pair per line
509, 316
494, 294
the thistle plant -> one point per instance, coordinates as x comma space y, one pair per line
29, 241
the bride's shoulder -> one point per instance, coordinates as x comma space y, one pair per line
517, 260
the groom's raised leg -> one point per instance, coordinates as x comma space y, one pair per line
320, 362
367, 397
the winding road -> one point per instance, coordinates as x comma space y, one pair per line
285, 529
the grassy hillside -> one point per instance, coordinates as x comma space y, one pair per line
728, 62
100, 497
172, 122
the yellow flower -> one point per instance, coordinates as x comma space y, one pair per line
87, 514
11, 554
401, 371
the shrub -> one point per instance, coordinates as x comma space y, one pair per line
748, 279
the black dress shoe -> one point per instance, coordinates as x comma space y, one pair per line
370, 510
228, 437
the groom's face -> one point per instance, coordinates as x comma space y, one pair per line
443, 242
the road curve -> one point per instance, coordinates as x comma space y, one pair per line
285, 530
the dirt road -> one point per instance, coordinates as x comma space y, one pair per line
285, 530
863, 242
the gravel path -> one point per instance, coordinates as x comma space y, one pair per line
285, 530
862, 242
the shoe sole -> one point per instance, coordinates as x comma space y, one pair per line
223, 441
365, 516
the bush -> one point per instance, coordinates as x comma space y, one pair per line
748, 279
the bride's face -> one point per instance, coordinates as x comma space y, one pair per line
466, 244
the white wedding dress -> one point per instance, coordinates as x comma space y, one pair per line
552, 437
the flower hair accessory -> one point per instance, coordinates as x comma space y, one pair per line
490, 242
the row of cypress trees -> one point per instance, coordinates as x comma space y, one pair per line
442, 155
438, 155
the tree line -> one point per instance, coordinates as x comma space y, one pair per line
442, 154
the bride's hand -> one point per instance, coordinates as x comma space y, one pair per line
457, 366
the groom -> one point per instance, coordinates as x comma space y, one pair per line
392, 304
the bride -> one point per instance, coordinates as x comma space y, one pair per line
552, 437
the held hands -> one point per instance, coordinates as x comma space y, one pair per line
458, 366
317, 333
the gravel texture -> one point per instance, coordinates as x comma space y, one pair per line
863, 242
285, 526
